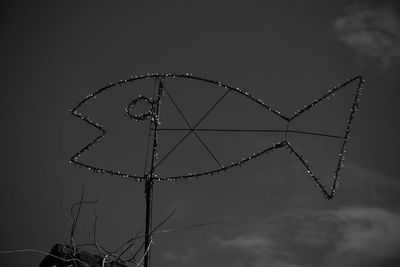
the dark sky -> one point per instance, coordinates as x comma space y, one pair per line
285, 52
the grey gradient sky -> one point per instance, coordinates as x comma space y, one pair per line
285, 52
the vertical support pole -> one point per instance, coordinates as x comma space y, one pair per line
149, 210
155, 109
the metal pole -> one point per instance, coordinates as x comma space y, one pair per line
149, 209
155, 108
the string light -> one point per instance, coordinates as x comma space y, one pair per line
345, 138
152, 115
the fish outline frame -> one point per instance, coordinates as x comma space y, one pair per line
327, 193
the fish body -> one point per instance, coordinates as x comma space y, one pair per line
162, 92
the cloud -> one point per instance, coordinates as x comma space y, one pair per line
373, 30
367, 235
259, 247
183, 256
353, 236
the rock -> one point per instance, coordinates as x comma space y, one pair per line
50, 261
65, 252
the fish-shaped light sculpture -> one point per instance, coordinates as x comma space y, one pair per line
152, 114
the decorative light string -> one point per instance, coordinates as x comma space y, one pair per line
75, 159
329, 194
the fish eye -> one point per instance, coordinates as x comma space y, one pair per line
139, 116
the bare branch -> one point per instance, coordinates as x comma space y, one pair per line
126, 247
185, 228
95, 223
147, 251
137, 237
75, 220
101, 250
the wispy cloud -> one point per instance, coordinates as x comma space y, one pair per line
367, 235
260, 247
183, 256
256, 245
353, 236
373, 31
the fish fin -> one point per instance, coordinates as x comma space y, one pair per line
326, 117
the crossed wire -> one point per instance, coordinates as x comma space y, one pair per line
192, 129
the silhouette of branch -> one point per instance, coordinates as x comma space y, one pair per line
155, 232
115, 256
100, 249
186, 227
142, 236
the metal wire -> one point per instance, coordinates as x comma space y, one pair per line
187, 134
191, 129
251, 131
